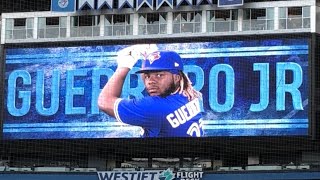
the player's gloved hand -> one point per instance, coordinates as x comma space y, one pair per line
128, 57
125, 59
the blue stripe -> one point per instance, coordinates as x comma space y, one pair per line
62, 60
79, 124
257, 121
62, 55
245, 54
244, 49
257, 126
198, 51
110, 124
133, 128
233, 127
256, 132
70, 129
110, 56
185, 56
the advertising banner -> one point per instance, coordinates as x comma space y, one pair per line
167, 174
249, 88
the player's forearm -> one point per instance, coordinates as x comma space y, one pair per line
112, 91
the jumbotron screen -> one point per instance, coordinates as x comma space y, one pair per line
249, 88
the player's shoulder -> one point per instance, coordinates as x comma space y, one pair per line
167, 99
151, 100
146, 102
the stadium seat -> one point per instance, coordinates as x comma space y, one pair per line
303, 167
237, 168
91, 169
124, 169
223, 168
51, 169
263, 168
79, 169
190, 169
12, 169
25, 169
84, 170
288, 167
2, 168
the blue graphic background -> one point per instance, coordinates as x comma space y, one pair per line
238, 121
222, 3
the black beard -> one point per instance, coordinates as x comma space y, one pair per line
172, 88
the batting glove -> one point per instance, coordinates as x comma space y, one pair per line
125, 59
128, 57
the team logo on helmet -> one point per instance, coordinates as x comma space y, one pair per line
153, 56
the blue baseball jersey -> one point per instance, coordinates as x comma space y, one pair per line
171, 116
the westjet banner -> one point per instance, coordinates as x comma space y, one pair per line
236, 175
150, 175
249, 87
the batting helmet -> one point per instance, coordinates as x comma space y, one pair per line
162, 61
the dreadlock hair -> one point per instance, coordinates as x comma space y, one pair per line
186, 87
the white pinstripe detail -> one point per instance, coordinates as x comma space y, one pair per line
115, 109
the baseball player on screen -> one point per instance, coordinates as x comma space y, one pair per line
173, 107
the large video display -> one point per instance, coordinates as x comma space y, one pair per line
249, 88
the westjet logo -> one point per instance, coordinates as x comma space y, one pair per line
128, 175
150, 175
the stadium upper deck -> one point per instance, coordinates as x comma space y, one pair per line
167, 21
